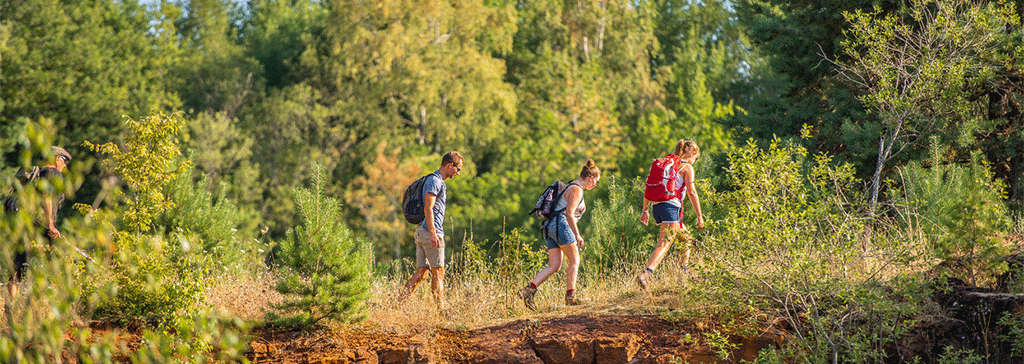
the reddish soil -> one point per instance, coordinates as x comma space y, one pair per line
570, 339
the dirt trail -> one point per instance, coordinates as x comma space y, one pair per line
570, 339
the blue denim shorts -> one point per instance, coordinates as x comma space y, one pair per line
665, 212
557, 232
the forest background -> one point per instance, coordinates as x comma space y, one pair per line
259, 96
527, 91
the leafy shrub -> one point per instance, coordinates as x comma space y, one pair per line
157, 279
324, 271
62, 287
797, 245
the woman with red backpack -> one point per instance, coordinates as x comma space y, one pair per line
667, 201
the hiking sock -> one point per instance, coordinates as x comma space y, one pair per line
569, 290
533, 285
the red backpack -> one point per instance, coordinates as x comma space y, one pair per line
661, 181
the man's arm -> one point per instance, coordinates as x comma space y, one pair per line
428, 217
51, 227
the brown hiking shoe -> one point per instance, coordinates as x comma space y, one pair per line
527, 294
644, 279
571, 299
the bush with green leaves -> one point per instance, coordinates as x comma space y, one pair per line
960, 211
798, 247
324, 270
62, 288
158, 277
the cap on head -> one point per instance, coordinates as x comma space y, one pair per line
60, 152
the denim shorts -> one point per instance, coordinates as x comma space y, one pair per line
665, 212
557, 232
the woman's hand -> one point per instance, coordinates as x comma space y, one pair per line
579, 242
644, 217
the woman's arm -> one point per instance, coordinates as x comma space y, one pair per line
573, 195
691, 192
644, 216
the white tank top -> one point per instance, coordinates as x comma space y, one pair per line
580, 209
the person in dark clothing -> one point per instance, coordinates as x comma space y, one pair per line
51, 202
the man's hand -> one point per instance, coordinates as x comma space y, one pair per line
435, 241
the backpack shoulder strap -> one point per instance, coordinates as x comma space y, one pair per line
563, 191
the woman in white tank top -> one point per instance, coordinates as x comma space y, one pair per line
562, 237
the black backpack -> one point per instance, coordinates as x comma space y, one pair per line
412, 201
11, 203
545, 206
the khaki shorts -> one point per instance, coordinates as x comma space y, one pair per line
427, 255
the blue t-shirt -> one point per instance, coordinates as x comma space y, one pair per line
438, 188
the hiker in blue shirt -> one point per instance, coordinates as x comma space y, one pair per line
429, 234
562, 236
668, 214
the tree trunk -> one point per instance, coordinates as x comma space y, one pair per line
875, 179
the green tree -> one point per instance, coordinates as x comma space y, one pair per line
82, 63
702, 50
917, 72
326, 271
793, 88
420, 71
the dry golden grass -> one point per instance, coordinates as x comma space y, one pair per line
248, 295
474, 301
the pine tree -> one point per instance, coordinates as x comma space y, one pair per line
325, 275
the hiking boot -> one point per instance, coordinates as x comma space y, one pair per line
527, 294
644, 280
571, 299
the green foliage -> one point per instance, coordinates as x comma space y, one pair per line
324, 271
795, 242
211, 221
791, 84
918, 71
719, 344
615, 235
959, 209
82, 63
206, 337
223, 152
147, 164
1014, 334
158, 278
62, 289
951, 355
